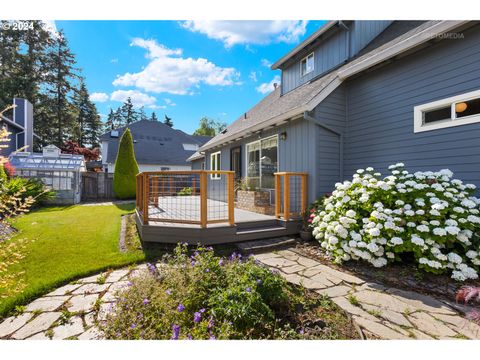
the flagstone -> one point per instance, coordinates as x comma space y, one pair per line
12, 324
49, 303
82, 303
72, 328
41, 323
426, 323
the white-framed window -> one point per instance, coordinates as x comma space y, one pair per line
453, 111
307, 64
215, 165
262, 162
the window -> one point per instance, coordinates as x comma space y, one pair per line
307, 64
215, 165
262, 162
454, 111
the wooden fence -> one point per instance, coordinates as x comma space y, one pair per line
97, 186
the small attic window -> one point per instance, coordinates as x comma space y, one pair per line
190, 147
307, 64
223, 131
114, 133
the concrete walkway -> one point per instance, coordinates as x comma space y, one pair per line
380, 312
74, 310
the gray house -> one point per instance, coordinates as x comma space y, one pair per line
362, 93
157, 146
20, 126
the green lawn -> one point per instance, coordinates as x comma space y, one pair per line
68, 243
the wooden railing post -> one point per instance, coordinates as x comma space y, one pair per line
286, 197
145, 198
304, 193
231, 198
203, 200
278, 205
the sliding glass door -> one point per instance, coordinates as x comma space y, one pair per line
262, 162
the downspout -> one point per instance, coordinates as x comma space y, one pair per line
316, 121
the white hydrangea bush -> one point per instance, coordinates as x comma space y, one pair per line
427, 214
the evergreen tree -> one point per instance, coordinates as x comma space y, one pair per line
141, 114
10, 70
168, 121
88, 124
110, 124
126, 168
119, 118
129, 113
154, 116
61, 74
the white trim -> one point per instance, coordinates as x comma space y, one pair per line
312, 54
260, 156
419, 110
218, 165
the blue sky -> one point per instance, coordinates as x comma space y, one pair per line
183, 69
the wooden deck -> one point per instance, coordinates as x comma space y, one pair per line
248, 225
198, 207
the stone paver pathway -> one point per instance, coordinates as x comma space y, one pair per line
380, 312
71, 311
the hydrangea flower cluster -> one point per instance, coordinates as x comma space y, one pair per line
429, 214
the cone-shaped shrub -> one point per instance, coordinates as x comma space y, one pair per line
126, 168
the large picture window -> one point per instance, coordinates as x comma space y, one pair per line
262, 162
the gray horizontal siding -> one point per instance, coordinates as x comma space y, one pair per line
334, 50
380, 111
197, 164
330, 112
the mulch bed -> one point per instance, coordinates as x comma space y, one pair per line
400, 275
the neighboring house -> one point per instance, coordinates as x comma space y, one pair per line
20, 125
157, 146
363, 93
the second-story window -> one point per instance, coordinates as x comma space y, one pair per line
307, 65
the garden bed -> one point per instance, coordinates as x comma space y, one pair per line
199, 295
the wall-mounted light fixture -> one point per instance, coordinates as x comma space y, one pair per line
283, 136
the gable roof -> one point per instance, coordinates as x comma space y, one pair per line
309, 40
274, 109
154, 143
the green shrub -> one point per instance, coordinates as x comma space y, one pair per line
428, 216
186, 191
126, 168
202, 296
31, 188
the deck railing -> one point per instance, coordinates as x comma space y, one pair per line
290, 194
186, 197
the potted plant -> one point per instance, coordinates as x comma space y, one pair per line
306, 231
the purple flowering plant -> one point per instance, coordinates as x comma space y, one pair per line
217, 298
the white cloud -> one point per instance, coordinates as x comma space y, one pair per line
253, 76
98, 97
169, 102
249, 31
266, 63
169, 72
268, 87
138, 98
